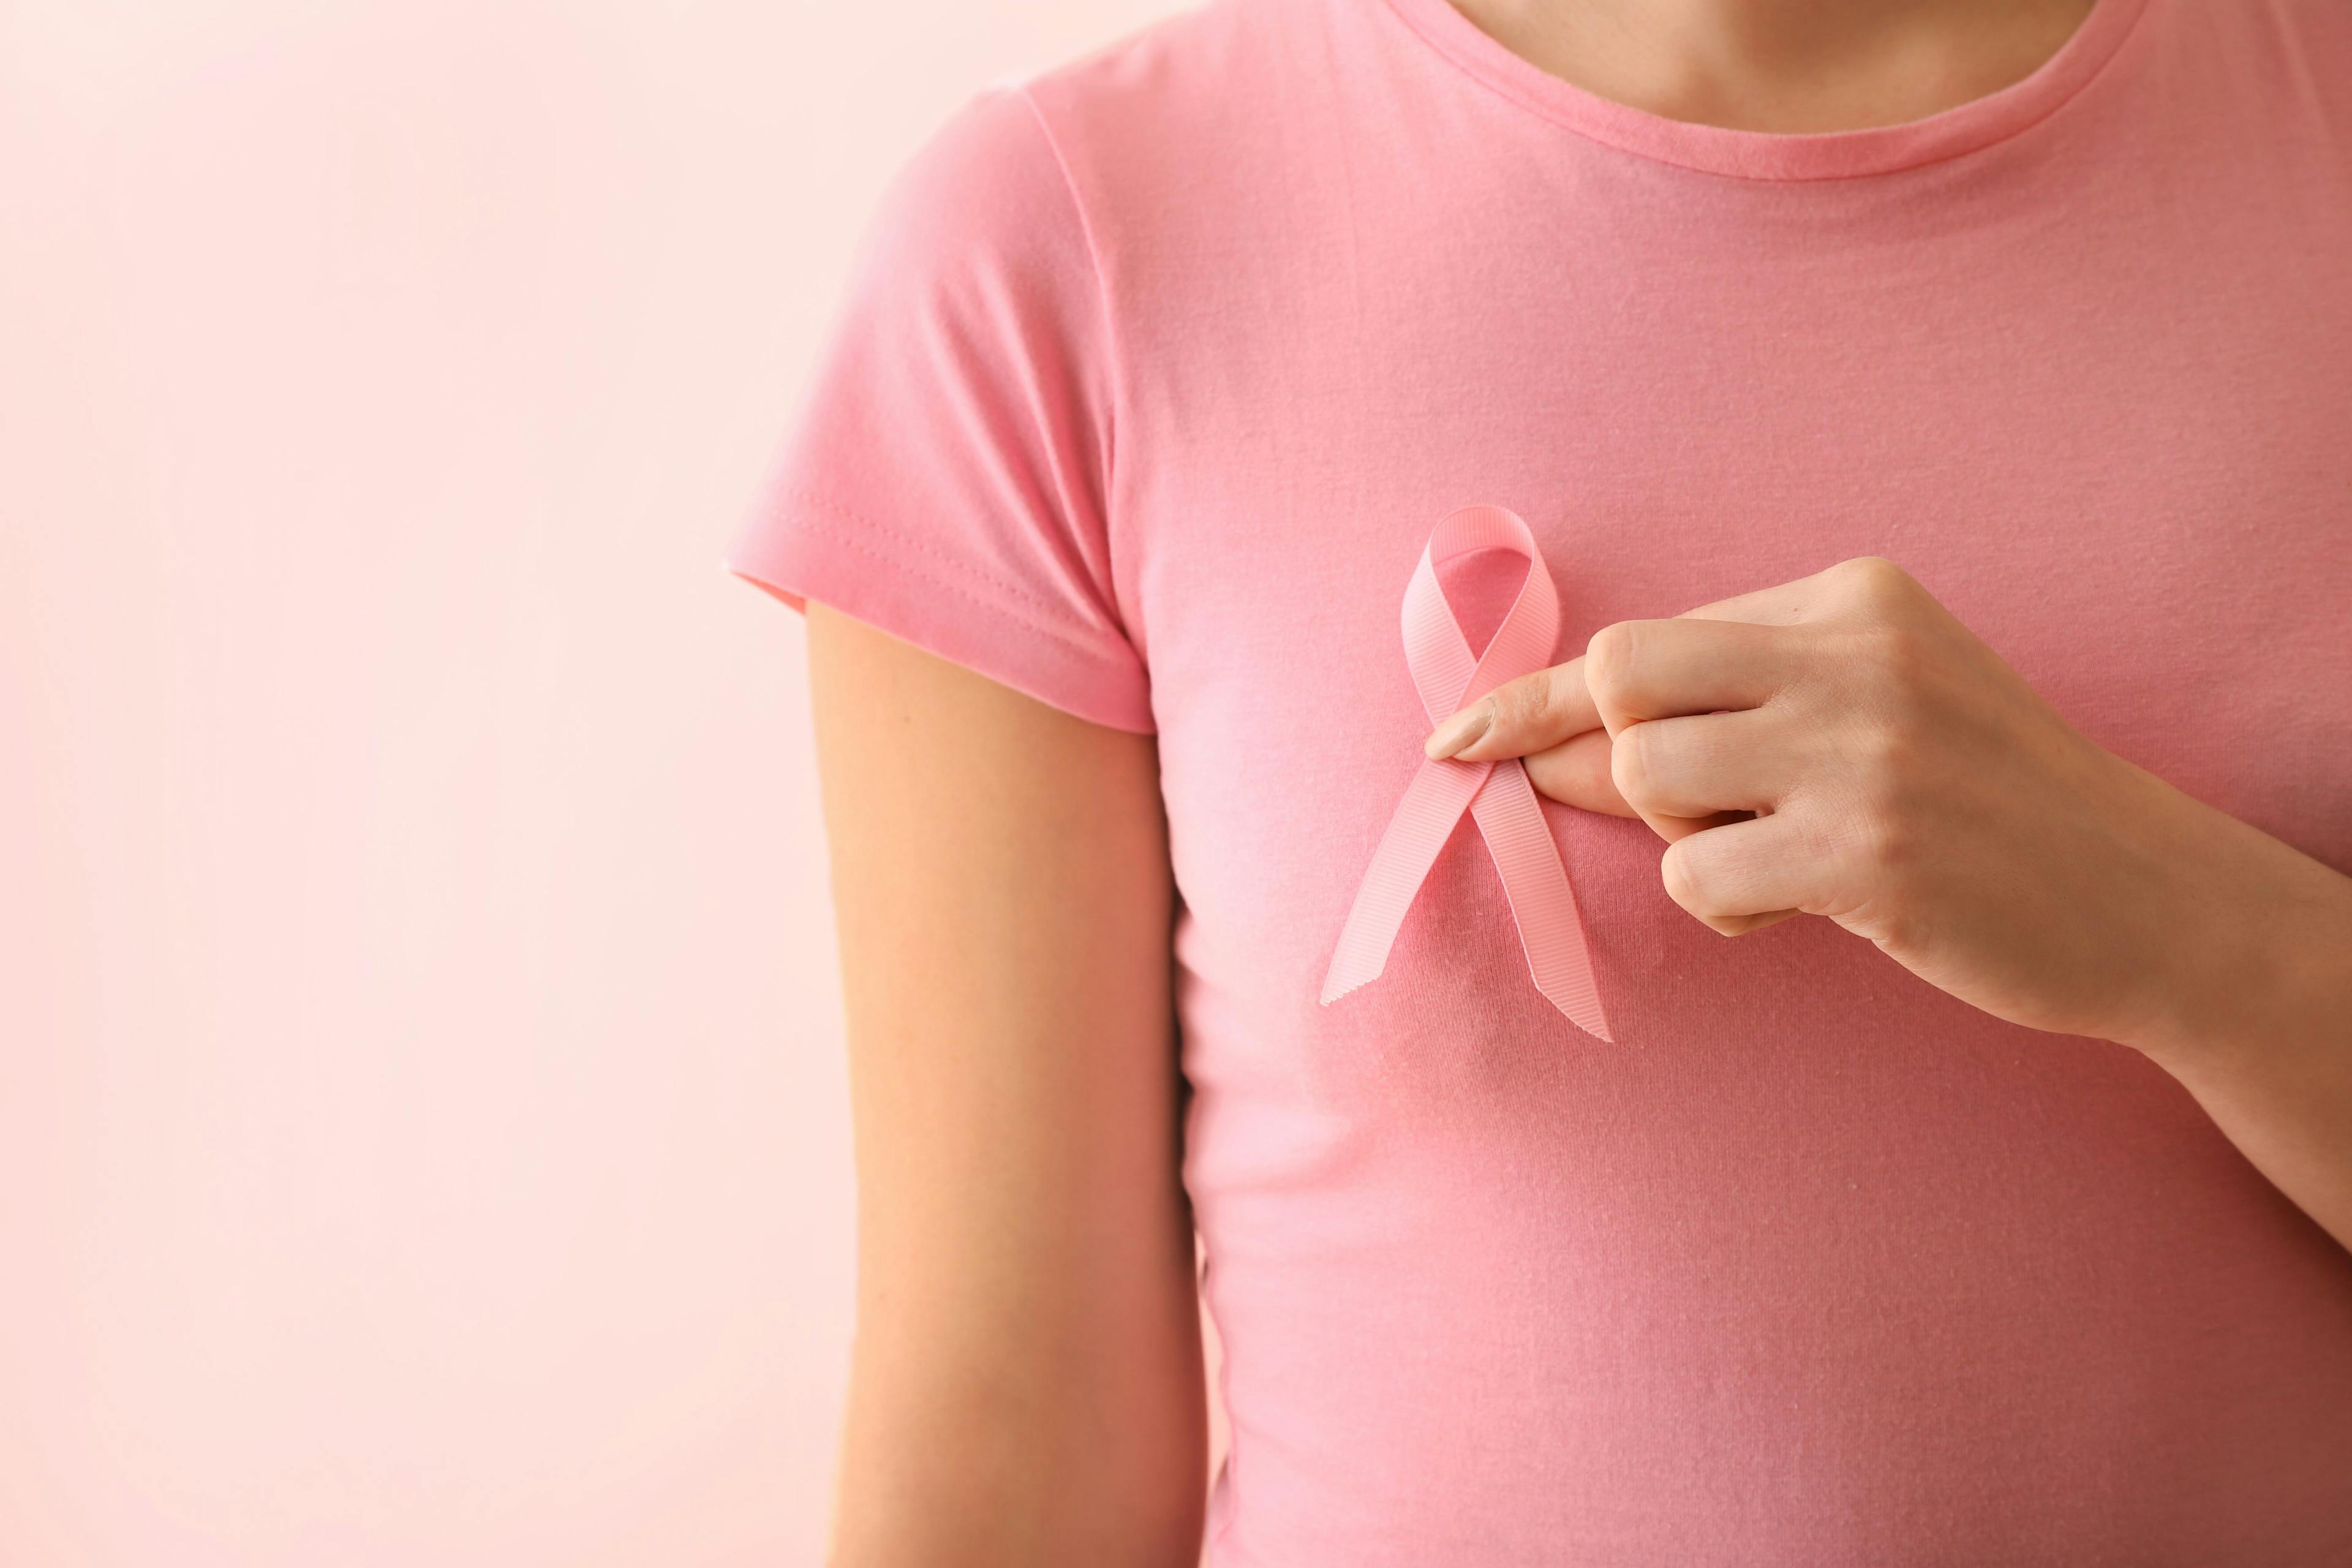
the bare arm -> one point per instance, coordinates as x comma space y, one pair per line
2255, 1013
1026, 1384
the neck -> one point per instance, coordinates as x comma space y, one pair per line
1790, 65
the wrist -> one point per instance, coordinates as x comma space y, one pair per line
2254, 942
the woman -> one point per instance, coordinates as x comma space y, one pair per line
1928, 422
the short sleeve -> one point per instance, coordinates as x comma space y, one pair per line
946, 476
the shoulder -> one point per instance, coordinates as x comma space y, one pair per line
1170, 126
1033, 159
983, 183
1129, 103
1122, 183
1197, 69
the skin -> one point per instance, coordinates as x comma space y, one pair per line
1025, 1385
1842, 746
1784, 66
1025, 1381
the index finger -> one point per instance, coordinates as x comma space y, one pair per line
1539, 709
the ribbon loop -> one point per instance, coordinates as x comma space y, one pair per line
1499, 795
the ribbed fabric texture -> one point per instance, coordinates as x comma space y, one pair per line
1449, 674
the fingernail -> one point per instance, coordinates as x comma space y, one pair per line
1459, 730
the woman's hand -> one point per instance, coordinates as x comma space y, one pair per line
1841, 746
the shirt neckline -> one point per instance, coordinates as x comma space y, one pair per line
1769, 154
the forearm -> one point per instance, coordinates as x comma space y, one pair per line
2251, 1007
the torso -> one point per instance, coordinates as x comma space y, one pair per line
1815, 1264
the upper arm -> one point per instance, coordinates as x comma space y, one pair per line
1026, 1385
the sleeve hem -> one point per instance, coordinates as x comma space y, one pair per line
1008, 644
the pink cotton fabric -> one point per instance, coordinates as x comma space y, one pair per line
1157, 370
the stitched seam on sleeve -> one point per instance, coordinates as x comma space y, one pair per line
923, 546
1094, 652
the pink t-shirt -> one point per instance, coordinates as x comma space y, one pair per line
1158, 369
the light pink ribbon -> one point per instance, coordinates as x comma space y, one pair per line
1498, 795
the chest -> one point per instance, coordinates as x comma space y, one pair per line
2134, 483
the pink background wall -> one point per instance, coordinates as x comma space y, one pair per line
423, 1137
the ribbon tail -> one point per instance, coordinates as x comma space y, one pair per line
1543, 905
1441, 791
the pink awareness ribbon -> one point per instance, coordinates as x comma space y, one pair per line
1498, 795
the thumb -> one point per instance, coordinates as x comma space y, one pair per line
1576, 772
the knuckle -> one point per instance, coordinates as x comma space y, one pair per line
1873, 578
1609, 659
1529, 703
